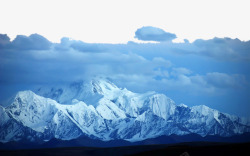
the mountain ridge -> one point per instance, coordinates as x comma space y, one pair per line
100, 110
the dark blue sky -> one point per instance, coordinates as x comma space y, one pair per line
213, 72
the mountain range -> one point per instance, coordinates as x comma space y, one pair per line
98, 109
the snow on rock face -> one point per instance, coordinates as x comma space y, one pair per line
204, 111
161, 105
32, 110
3, 116
103, 86
108, 110
63, 127
99, 109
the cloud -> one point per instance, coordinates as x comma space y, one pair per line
33, 42
166, 66
213, 83
187, 72
65, 63
180, 71
70, 60
153, 34
21, 42
224, 49
222, 80
87, 47
67, 43
4, 40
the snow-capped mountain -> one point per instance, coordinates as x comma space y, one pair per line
99, 109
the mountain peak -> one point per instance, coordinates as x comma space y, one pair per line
32, 110
25, 93
89, 91
22, 98
102, 85
99, 109
202, 109
183, 105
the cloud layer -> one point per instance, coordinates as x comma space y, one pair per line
217, 68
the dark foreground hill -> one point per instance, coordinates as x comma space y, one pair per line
88, 142
181, 149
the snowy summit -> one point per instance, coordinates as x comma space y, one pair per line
99, 109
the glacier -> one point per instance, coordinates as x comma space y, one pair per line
98, 109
